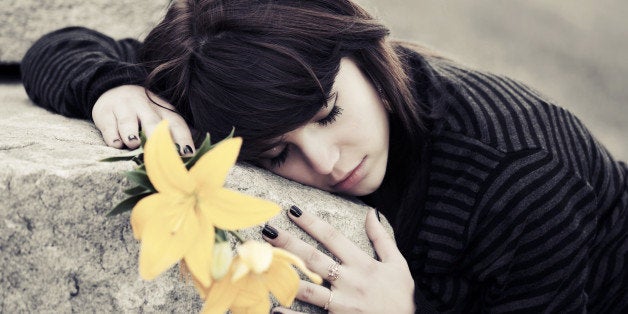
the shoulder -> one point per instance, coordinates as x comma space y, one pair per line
482, 202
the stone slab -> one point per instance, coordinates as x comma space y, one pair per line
58, 251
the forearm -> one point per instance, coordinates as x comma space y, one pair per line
67, 70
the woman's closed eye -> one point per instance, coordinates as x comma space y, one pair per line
278, 160
331, 117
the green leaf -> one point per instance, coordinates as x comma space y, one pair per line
142, 139
204, 148
139, 159
230, 134
140, 177
221, 235
117, 158
134, 154
136, 190
127, 204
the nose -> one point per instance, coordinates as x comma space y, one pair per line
319, 152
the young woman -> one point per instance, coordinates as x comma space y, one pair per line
500, 201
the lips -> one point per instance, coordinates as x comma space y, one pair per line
353, 178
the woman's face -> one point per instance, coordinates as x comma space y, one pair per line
344, 148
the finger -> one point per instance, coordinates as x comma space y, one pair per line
329, 236
283, 310
149, 119
128, 128
180, 133
384, 244
106, 123
314, 259
317, 295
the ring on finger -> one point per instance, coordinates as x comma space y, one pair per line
333, 272
331, 297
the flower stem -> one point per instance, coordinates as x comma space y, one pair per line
237, 236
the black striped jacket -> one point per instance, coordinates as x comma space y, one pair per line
525, 210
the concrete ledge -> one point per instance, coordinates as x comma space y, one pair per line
58, 251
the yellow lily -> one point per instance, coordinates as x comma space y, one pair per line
178, 221
257, 270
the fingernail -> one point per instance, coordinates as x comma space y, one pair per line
377, 215
270, 232
187, 150
178, 147
295, 211
277, 312
132, 138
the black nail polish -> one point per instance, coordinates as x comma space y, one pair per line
187, 149
178, 147
377, 215
270, 232
132, 138
277, 312
295, 211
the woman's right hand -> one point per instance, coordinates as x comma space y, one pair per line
120, 112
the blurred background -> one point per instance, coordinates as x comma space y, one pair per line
573, 51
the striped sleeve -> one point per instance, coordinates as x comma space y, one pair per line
67, 70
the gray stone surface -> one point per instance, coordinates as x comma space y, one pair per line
58, 251
24, 21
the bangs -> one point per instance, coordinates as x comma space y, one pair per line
261, 90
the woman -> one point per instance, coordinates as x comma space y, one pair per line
500, 201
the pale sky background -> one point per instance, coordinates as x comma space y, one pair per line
573, 51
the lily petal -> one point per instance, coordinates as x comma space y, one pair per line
232, 210
145, 209
263, 306
165, 239
165, 169
211, 170
199, 257
290, 258
251, 292
282, 281
220, 296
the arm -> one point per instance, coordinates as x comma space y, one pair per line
81, 73
66, 71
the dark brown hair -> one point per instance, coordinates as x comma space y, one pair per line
265, 67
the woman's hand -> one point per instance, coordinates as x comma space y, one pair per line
120, 112
359, 284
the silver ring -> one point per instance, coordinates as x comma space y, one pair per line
333, 272
331, 297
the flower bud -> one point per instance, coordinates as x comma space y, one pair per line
221, 260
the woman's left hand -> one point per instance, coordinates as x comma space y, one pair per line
359, 283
